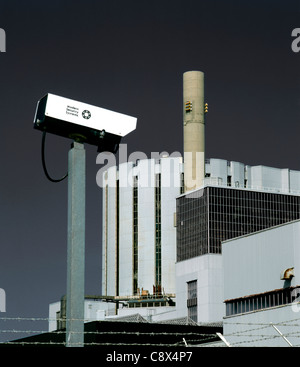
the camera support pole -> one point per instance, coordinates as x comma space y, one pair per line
76, 246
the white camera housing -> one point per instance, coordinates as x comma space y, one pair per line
82, 122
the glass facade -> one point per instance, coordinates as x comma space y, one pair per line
192, 225
214, 214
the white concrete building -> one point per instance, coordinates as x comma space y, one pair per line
160, 241
142, 245
139, 236
262, 286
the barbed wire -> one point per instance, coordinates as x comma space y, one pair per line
263, 323
193, 337
248, 337
137, 333
254, 334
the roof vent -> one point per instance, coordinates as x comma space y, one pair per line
287, 274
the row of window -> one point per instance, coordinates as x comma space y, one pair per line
261, 301
135, 234
237, 306
117, 236
158, 230
147, 304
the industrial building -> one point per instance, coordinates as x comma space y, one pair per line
174, 233
164, 221
261, 197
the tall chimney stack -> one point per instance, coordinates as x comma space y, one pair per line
193, 129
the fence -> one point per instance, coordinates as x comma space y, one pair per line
139, 333
286, 333
32, 332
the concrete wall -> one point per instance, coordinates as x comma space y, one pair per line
170, 168
218, 168
294, 183
237, 171
253, 263
146, 227
208, 272
254, 329
110, 251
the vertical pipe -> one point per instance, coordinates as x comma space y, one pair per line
76, 247
194, 129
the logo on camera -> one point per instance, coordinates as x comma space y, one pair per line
86, 114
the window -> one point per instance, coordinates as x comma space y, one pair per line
260, 301
158, 234
192, 300
228, 180
181, 183
135, 235
117, 235
105, 238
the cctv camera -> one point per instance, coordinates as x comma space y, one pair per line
82, 122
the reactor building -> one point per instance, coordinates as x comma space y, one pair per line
139, 235
164, 220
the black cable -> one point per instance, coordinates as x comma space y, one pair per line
44, 164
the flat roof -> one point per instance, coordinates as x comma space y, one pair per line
261, 230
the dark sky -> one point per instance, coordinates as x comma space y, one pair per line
129, 56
